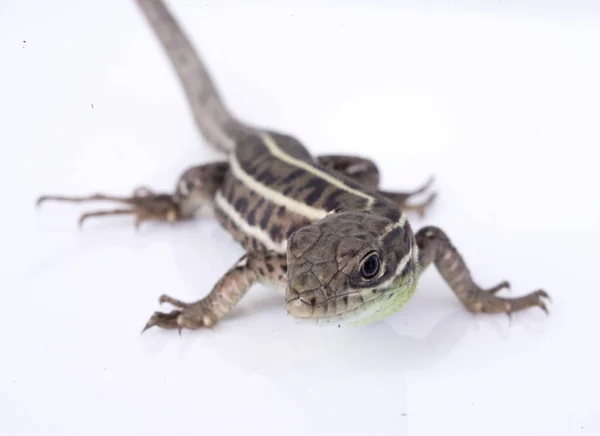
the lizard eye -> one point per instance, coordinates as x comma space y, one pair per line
370, 266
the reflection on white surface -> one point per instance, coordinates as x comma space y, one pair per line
500, 103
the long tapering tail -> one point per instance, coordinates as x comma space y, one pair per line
217, 125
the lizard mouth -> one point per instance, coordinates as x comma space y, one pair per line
299, 307
355, 307
348, 306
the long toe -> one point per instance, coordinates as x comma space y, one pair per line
163, 320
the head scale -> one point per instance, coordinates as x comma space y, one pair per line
351, 267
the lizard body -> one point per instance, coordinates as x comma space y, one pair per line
318, 227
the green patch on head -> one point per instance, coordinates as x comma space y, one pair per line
389, 303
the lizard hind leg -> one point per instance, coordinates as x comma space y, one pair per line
196, 186
402, 198
144, 204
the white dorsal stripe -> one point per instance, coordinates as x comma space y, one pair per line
253, 231
416, 254
402, 219
276, 197
400, 223
399, 270
403, 262
276, 151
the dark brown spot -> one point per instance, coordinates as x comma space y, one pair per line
220, 170
332, 201
240, 267
317, 187
275, 233
251, 218
284, 267
293, 176
266, 177
345, 299
264, 222
270, 268
313, 301
281, 211
241, 205
288, 190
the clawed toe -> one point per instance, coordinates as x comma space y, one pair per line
171, 320
538, 297
84, 216
485, 301
402, 198
177, 303
164, 320
502, 285
528, 301
425, 186
421, 208
187, 315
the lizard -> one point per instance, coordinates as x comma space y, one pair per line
316, 227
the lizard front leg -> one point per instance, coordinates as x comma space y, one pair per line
366, 172
254, 267
435, 247
196, 186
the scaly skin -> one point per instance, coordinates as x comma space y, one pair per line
320, 226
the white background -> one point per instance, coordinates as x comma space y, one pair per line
500, 102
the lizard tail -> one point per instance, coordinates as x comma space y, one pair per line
217, 125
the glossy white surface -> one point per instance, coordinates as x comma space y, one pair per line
500, 104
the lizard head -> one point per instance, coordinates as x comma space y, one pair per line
350, 267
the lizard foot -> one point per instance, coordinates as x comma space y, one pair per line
188, 315
402, 198
485, 301
145, 205
421, 208
502, 285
